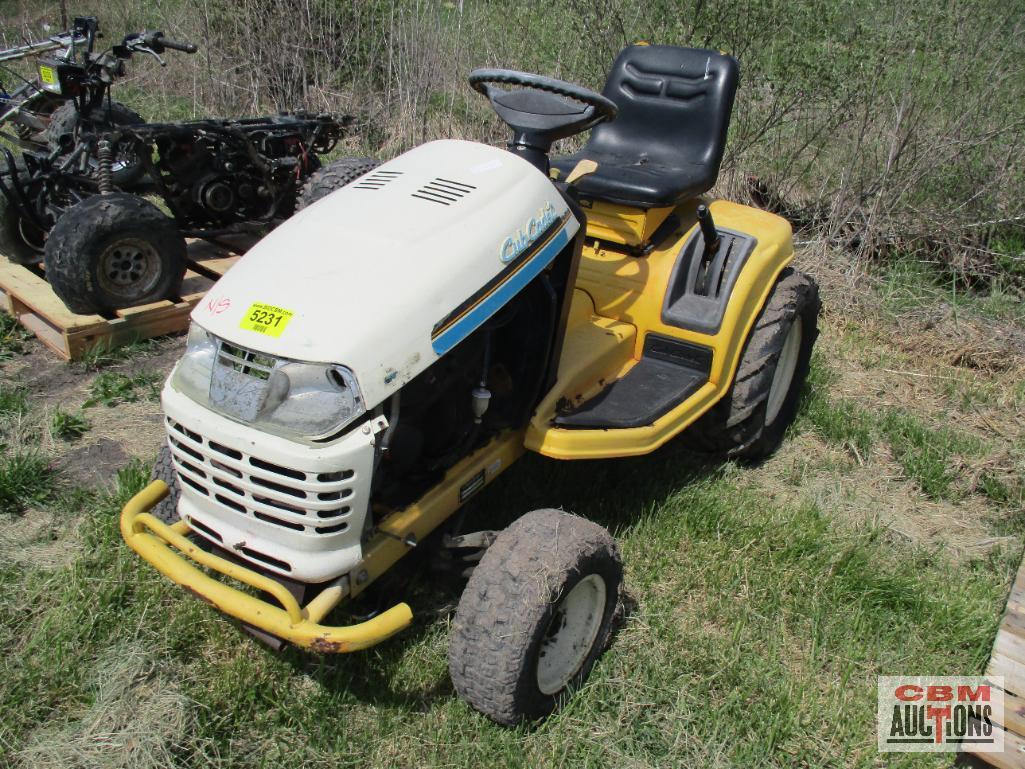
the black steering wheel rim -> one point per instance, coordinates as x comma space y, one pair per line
604, 108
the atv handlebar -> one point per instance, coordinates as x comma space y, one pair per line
153, 42
174, 45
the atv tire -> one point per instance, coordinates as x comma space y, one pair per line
20, 240
60, 133
750, 420
167, 509
114, 251
535, 616
333, 176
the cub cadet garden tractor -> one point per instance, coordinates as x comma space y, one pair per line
390, 350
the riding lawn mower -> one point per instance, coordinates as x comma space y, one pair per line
385, 354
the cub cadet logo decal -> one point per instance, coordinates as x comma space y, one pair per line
520, 241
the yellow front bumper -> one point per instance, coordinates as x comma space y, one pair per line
153, 540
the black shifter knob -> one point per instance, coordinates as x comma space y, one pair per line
708, 230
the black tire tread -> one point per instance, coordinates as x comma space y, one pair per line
333, 176
12, 244
69, 266
163, 470
506, 597
64, 118
62, 124
735, 426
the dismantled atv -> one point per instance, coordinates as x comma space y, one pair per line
72, 94
443, 314
106, 247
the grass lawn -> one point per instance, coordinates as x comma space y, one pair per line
880, 540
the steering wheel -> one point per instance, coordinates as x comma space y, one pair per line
543, 109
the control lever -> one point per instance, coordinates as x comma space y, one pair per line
710, 235
708, 231
151, 52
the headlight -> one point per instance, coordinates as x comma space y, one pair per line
309, 399
288, 398
192, 375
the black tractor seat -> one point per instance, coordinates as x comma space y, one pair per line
667, 143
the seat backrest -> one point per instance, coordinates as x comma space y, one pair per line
674, 106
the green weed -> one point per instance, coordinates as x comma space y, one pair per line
13, 400
104, 355
111, 388
66, 426
13, 337
25, 479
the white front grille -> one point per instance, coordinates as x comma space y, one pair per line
315, 504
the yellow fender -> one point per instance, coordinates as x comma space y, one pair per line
631, 290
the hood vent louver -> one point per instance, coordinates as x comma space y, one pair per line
377, 180
444, 191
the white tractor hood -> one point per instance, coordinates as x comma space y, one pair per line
391, 271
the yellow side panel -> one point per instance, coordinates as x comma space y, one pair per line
632, 290
596, 350
622, 224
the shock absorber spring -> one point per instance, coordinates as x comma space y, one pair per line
106, 163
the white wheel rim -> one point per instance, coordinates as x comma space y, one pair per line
571, 634
783, 376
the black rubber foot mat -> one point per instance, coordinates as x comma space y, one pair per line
668, 373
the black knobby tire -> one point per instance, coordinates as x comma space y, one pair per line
167, 509
93, 250
737, 425
503, 622
333, 176
61, 131
20, 240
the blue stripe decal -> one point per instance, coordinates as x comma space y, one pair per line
495, 301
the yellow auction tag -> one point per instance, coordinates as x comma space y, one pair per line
266, 319
47, 75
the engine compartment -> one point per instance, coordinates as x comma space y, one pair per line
490, 382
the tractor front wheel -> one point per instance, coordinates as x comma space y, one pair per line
163, 470
750, 420
535, 616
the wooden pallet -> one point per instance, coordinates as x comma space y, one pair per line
1008, 660
26, 295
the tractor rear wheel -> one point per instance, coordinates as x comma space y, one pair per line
114, 251
535, 616
750, 420
333, 176
163, 470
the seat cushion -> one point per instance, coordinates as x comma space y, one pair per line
635, 182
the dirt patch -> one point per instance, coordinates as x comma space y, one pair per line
90, 463
38, 539
116, 434
876, 491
